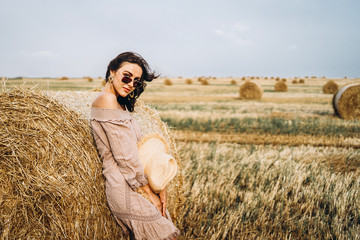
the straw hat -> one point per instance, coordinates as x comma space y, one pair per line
159, 166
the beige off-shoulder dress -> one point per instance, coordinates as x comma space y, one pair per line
116, 134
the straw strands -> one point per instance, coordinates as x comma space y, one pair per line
250, 90
50, 173
346, 102
330, 87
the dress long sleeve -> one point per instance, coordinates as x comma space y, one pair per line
123, 145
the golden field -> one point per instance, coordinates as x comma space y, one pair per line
282, 167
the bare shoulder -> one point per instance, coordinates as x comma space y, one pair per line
105, 100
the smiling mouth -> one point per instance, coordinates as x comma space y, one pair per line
127, 90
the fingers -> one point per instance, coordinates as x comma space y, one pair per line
163, 207
156, 201
163, 199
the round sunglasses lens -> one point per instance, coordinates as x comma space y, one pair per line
126, 80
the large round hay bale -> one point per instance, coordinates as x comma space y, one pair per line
50, 174
51, 179
250, 90
346, 101
280, 87
330, 87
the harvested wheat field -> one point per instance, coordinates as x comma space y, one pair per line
281, 167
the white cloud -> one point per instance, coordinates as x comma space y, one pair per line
292, 47
235, 34
240, 27
219, 32
41, 54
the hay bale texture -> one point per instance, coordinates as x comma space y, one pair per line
50, 174
330, 87
251, 90
280, 87
346, 101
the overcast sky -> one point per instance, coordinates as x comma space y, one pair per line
76, 38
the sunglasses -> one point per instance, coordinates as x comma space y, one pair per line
126, 79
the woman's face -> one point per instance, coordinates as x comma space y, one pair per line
127, 69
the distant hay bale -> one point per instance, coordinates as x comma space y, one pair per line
51, 179
233, 82
302, 81
277, 79
168, 82
204, 82
243, 78
280, 87
251, 90
346, 101
188, 81
330, 87
64, 78
294, 81
283, 80
103, 82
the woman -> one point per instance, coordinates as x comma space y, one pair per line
116, 134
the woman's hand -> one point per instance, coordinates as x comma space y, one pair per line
156, 201
153, 197
163, 199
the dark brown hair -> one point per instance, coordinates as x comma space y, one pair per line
147, 75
